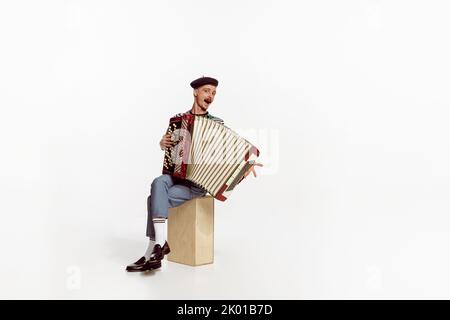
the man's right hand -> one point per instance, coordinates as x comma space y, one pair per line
166, 141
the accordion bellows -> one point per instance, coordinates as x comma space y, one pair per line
208, 153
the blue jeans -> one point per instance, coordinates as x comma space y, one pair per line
167, 192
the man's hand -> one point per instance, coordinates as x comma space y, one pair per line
166, 141
252, 169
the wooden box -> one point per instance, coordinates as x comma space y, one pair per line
191, 232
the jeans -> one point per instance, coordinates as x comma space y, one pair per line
168, 192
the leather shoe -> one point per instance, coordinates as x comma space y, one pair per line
135, 266
154, 262
148, 265
166, 248
159, 252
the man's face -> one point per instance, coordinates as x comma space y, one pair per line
204, 96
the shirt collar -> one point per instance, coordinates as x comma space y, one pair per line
204, 115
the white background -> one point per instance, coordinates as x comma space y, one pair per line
348, 101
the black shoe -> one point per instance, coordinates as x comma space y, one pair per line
159, 252
134, 266
148, 265
165, 249
153, 263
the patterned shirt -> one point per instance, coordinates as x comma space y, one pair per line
206, 115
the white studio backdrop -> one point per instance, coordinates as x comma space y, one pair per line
347, 101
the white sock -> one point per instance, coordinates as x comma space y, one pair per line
160, 230
149, 251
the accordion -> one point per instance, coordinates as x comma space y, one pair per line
207, 153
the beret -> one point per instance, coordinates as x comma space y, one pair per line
203, 81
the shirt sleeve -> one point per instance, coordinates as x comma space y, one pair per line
175, 116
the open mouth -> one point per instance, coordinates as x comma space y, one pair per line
208, 101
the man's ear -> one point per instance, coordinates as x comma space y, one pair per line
195, 92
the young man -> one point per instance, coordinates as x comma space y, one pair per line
168, 192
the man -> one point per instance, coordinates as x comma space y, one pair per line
168, 192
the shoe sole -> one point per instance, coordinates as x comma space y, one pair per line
134, 270
157, 266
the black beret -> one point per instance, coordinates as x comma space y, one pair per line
203, 81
